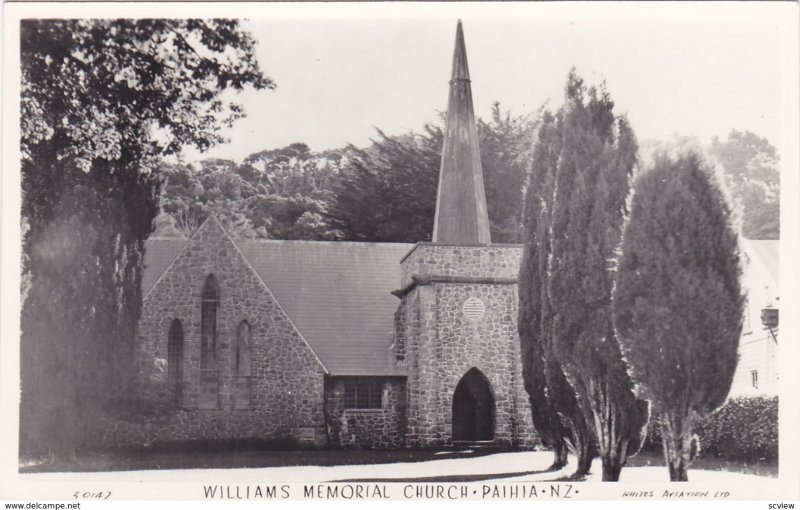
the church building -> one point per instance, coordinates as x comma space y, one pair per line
367, 345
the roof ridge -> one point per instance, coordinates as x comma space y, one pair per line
319, 243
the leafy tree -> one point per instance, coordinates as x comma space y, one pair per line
293, 170
505, 144
555, 410
675, 144
751, 166
678, 303
180, 201
387, 192
293, 191
216, 187
101, 101
277, 194
596, 159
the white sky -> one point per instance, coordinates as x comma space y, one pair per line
673, 69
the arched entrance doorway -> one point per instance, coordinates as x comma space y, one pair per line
473, 408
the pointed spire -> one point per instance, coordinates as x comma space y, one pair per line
461, 216
460, 67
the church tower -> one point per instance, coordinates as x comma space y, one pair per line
456, 325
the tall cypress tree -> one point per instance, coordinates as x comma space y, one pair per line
554, 408
678, 304
596, 160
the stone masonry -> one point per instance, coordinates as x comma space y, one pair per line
367, 428
458, 311
287, 378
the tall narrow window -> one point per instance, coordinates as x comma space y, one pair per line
209, 376
243, 349
242, 365
175, 361
208, 324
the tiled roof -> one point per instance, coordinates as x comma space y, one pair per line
158, 255
337, 293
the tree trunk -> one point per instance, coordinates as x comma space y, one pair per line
584, 463
677, 445
612, 467
614, 460
560, 454
677, 470
585, 450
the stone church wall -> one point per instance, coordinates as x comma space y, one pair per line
496, 261
287, 380
442, 343
366, 428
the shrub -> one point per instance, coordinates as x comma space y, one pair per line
743, 429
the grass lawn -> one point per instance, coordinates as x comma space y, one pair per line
443, 466
229, 459
707, 463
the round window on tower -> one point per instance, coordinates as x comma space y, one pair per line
473, 309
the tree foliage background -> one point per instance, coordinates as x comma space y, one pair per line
101, 102
385, 192
276, 194
751, 167
748, 168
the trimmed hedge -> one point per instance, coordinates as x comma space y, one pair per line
743, 429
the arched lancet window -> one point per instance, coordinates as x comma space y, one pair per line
208, 324
242, 365
243, 334
175, 361
209, 377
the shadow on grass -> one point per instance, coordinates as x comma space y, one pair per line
234, 458
454, 478
252, 456
447, 478
650, 459
574, 477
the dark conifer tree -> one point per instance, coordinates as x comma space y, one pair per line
678, 303
556, 415
505, 144
387, 192
596, 160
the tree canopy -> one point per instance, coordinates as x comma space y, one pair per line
101, 102
276, 194
387, 192
752, 170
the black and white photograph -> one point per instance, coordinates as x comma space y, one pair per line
406, 251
